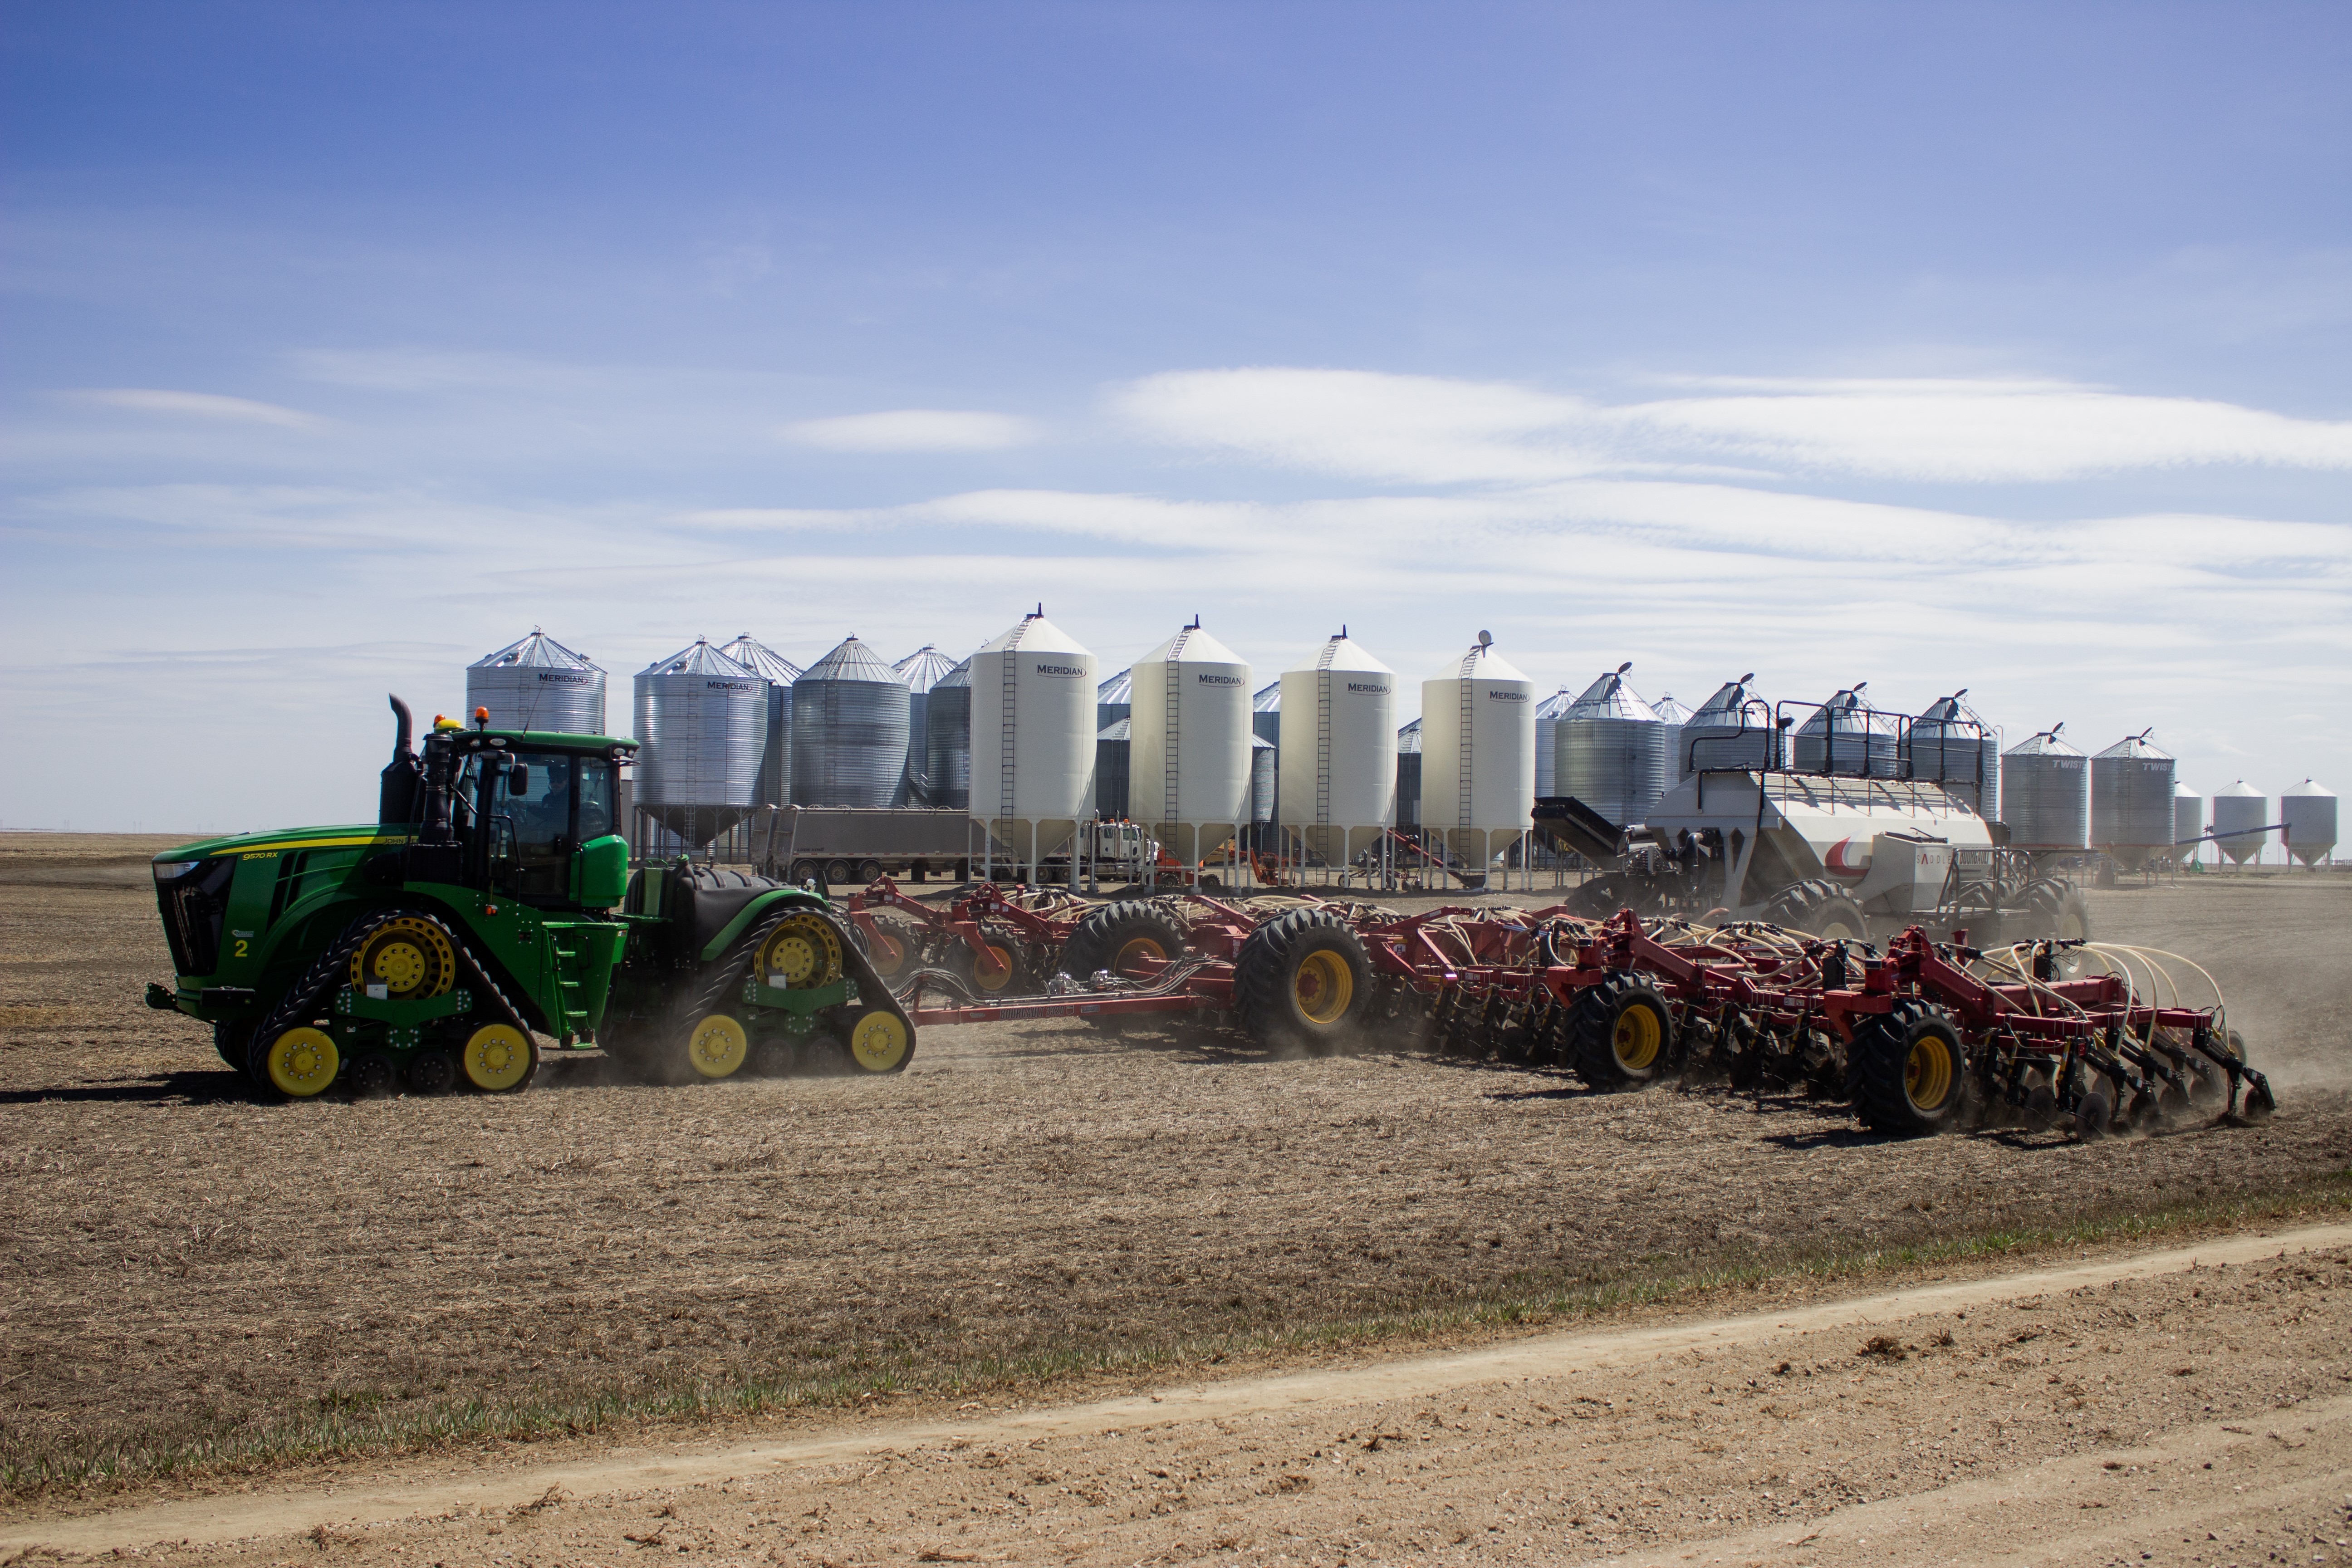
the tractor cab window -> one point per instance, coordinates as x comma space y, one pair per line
593, 787
530, 803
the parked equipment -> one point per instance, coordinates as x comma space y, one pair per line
491, 902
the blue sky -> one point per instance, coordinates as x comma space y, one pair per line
2006, 347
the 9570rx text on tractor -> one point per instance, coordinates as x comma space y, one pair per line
492, 902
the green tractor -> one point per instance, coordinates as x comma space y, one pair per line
492, 900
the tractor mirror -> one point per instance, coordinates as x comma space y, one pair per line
518, 780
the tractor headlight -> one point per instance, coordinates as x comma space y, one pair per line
167, 869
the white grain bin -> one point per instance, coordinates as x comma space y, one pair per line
702, 728
2045, 794
922, 670
2188, 822
1033, 738
2309, 810
2131, 801
1408, 783
1262, 753
849, 730
2241, 814
1336, 776
776, 767
538, 684
1673, 716
1189, 756
1548, 713
1612, 751
1478, 754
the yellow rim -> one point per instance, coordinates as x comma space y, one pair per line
879, 1042
304, 1060
497, 1056
410, 958
1639, 1036
1324, 987
887, 951
801, 953
1928, 1072
718, 1045
991, 971
1135, 948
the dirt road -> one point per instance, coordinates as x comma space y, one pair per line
2194, 1405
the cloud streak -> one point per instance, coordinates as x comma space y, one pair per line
205, 406
1428, 430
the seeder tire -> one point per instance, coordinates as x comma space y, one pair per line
1912, 1071
2056, 909
1003, 975
1303, 981
1112, 937
1622, 1034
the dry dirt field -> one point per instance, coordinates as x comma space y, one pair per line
194, 1274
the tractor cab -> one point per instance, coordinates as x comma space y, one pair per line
528, 813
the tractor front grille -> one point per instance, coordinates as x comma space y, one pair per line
193, 907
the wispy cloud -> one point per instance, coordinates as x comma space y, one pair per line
913, 430
173, 405
1429, 430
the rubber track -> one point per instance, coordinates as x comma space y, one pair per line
301, 1000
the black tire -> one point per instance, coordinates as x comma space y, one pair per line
837, 873
373, 1077
869, 872
233, 1040
2093, 1115
1303, 981
1110, 937
1911, 1072
1013, 981
1818, 909
805, 872
2056, 909
1621, 1035
896, 947
431, 1072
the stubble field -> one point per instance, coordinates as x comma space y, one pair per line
195, 1275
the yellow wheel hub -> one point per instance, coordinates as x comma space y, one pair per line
1640, 1035
302, 1061
718, 1045
879, 1042
1135, 948
802, 952
412, 959
992, 969
497, 1056
1928, 1072
1324, 987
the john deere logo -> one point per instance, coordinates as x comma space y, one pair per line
1495, 696
1368, 685
1063, 669
1219, 679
